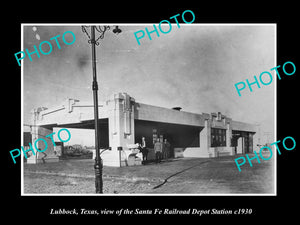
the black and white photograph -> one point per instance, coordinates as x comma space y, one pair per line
148, 114
179, 108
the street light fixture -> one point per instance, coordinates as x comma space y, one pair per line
93, 41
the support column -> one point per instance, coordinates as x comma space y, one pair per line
228, 139
205, 141
39, 133
251, 142
121, 128
240, 145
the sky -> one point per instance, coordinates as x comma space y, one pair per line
194, 67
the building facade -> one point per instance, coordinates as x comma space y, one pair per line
123, 122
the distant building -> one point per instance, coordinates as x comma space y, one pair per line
123, 122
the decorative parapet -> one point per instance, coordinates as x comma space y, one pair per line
70, 111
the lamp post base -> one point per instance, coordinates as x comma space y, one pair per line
98, 176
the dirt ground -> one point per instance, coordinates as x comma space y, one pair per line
179, 176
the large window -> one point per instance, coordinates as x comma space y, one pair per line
218, 137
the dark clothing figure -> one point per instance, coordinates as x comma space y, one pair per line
145, 154
144, 150
166, 149
164, 152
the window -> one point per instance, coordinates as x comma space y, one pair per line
218, 137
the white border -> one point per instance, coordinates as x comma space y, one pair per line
275, 114
146, 24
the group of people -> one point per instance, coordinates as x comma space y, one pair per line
162, 150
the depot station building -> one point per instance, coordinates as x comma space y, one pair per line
123, 122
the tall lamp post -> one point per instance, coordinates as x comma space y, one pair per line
93, 41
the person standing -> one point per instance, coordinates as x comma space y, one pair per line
144, 150
158, 150
166, 149
164, 153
